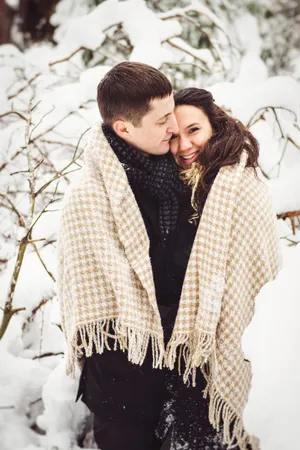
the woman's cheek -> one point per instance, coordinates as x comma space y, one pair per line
173, 148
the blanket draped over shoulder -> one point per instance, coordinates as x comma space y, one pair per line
106, 287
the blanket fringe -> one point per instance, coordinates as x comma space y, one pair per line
195, 350
198, 351
221, 413
95, 336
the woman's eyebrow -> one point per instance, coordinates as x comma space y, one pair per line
192, 125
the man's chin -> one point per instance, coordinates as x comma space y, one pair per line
165, 146
160, 150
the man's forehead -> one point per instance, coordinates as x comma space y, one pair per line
162, 106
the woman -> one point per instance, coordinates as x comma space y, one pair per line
206, 128
235, 253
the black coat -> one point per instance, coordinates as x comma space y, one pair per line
129, 401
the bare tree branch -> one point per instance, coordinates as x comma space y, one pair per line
11, 159
184, 50
67, 58
17, 113
46, 355
293, 142
278, 122
25, 87
292, 215
266, 108
38, 124
15, 209
52, 127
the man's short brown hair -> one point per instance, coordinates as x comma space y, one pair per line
127, 90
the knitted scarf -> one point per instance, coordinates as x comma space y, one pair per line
157, 174
105, 282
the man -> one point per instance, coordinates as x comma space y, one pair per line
124, 246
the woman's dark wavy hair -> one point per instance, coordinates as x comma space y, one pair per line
230, 137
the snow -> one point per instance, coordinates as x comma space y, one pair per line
85, 31
58, 102
146, 34
38, 52
21, 382
89, 80
250, 41
11, 56
58, 396
271, 343
252, 70
199, 7
285, 190
14, 4
65, 9
203, 55
270, 153
275, 92
280, 95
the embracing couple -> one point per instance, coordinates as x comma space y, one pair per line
164, 244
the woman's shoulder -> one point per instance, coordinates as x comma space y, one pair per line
252, 180
253, 194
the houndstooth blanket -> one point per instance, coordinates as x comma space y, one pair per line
106, 287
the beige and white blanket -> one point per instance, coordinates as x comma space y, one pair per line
106, 284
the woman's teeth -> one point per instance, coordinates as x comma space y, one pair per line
189, 156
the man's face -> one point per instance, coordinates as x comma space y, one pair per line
156, 129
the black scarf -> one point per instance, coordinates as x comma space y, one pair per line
159, 175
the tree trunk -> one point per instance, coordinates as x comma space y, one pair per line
6, 20
33, 20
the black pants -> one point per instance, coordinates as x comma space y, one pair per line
119, 436
126, 400
141, 408
183, 422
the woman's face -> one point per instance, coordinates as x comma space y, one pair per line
194, 131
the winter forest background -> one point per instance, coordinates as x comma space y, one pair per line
53, 55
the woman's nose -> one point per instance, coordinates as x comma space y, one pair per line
185, 143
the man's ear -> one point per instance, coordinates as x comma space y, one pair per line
121, 128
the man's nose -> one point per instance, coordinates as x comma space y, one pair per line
173, 127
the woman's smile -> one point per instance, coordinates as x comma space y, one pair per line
186, 160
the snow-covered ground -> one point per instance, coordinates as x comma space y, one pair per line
271, 342
47, 105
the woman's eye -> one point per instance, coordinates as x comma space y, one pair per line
192, 130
